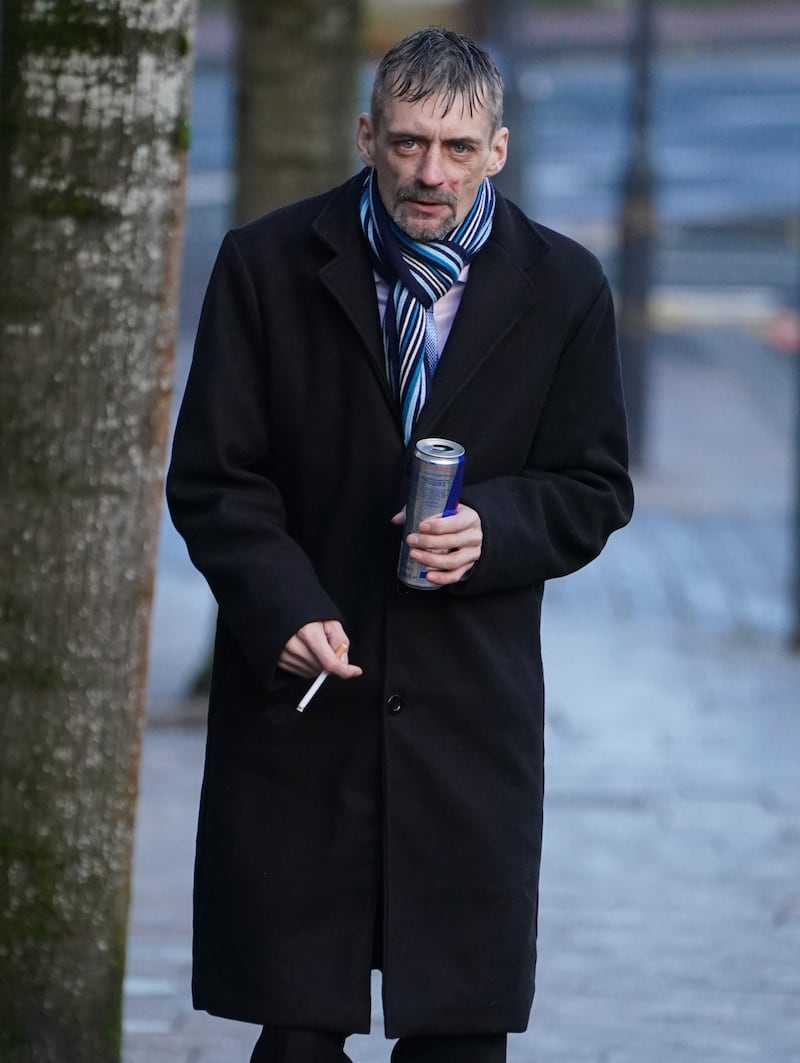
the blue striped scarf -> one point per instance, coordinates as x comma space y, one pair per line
418, 274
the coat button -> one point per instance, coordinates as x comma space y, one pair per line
394, 704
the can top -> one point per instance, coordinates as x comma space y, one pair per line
440, 451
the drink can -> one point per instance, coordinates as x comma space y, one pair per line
436, 477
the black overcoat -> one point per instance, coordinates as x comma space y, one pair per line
409, 800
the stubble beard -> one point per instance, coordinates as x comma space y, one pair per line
422, 229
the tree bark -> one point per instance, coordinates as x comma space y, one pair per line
297, 89
93, 136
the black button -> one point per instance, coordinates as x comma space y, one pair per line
394, 704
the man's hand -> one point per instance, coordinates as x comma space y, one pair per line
313, 650
446, 547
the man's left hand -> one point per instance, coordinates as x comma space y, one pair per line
446, 547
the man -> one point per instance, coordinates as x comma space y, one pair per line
396, 822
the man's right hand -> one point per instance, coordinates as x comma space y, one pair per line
313, 650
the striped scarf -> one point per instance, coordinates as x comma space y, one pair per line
418, 274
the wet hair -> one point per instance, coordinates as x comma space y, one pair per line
437, 63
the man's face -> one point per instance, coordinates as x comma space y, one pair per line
429, 165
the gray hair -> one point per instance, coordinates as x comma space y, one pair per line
439, 63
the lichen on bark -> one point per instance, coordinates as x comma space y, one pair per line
91, 178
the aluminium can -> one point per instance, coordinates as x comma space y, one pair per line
436, 475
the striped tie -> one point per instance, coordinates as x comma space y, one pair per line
418, 274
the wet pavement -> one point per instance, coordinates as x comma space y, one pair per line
670, 910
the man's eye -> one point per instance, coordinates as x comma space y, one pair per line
407, 144
460, 149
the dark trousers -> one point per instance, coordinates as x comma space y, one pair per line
311, 1046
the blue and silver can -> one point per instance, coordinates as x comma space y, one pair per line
435, 487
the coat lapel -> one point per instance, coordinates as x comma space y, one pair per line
349, 278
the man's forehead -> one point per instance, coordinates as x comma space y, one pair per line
439, 110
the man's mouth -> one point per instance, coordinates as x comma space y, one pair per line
408, 196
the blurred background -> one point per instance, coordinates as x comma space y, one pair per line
665, 137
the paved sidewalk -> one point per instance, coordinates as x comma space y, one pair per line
670, 916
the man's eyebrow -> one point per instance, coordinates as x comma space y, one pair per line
402, 134
405, 134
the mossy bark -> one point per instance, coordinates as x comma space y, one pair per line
297, 90
93, 114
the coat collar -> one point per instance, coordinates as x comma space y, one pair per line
499, 291
348, 275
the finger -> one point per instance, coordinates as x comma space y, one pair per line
334, 657
443, 579
333, 652
304, 642
339, 665
399, 518
470, 539
462, 520
313, 649
450, 567
310, 669
298, 659
337, 639
448, 562
444, 544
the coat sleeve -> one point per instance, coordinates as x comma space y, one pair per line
557, 513
221, 496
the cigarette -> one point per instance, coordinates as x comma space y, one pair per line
323, 675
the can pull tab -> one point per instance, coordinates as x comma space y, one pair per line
442, 448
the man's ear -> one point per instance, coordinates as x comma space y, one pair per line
365, 139
498, 152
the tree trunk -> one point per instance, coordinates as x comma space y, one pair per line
93, 132
297, 84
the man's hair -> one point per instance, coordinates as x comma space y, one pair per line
439, 63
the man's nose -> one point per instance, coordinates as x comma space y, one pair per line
431, 169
